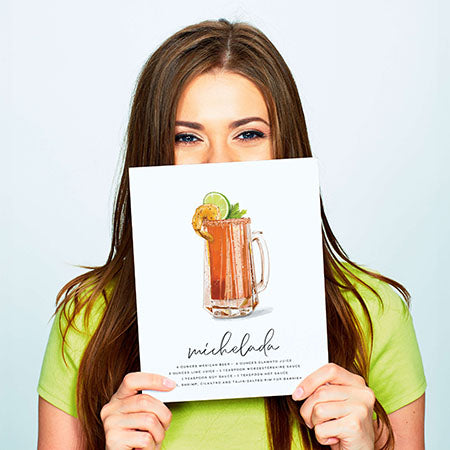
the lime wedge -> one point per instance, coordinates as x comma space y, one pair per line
218, 199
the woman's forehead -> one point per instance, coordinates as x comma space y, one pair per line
220, 94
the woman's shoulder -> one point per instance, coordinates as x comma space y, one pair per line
382, 300
86, 309
396, 372
73, 326
76, 320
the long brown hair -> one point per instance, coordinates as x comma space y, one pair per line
113, 349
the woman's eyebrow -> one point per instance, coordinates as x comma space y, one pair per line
194, 125
238, 123
235, 124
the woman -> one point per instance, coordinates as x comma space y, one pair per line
218, 92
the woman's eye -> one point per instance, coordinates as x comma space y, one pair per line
251, 135
185, 138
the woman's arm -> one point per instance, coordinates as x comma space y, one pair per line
57, 429
408, 425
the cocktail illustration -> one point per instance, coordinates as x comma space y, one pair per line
229, 283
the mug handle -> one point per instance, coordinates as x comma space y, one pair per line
264, 253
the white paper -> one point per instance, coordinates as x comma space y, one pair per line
288, 327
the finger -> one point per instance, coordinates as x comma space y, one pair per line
126, 439
322, 412
324, 394
327, 432
146, 403
329, 373
143, 422
350, 429
138, 381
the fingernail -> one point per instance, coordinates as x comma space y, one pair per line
298, 393
169, 383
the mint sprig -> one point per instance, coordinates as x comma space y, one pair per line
235, 213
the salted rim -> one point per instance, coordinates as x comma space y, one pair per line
244, 220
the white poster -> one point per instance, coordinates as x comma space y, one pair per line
229, 276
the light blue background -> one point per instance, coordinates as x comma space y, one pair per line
372, 80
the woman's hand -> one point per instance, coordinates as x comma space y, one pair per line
339, 407
133, 420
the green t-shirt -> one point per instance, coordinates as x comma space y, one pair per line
396, 377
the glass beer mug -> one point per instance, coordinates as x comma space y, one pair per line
230, 289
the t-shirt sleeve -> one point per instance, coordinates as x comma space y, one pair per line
396, 371
58, 377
